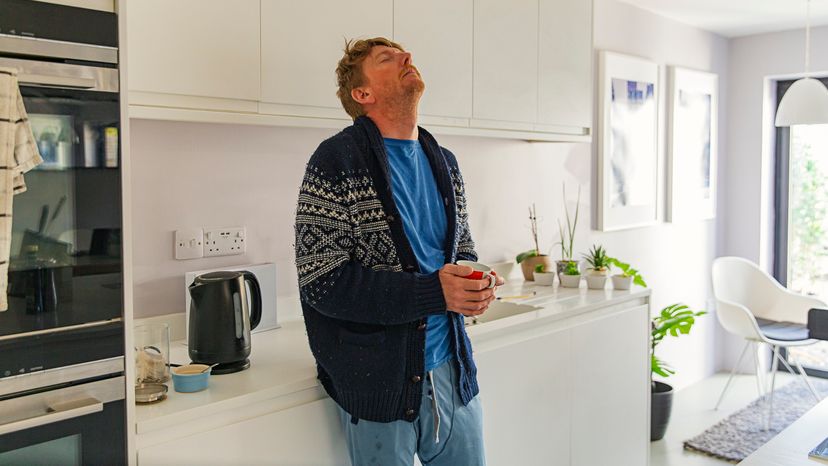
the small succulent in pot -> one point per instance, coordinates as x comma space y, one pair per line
628, 276
542, 276
599, 267
571, 276
598, 260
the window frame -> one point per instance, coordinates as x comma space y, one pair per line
781, 190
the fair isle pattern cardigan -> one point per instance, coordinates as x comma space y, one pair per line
363, 297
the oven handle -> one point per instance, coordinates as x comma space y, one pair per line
56, 81
56, 414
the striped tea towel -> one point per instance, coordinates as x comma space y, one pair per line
18, 154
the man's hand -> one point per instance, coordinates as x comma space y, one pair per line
463, 295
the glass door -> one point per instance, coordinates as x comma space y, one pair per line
65, 261
802, 226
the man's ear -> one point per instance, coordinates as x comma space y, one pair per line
362, 95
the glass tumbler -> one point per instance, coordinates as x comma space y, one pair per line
152, 353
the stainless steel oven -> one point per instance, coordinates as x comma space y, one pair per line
68, 416
62, 337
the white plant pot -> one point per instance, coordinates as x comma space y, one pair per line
570, 281
620, 282
596, 282
545, 278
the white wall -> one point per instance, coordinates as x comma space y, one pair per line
187, 174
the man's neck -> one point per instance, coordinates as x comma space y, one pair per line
396, 125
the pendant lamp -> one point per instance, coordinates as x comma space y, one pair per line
806, 101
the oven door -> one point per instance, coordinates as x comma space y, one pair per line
65, 263
76, 425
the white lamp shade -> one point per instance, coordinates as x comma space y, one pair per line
805, 103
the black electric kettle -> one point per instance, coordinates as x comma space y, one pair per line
221, 319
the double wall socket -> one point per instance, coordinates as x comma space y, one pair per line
193, 243
224, 241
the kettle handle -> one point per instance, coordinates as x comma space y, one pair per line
255, 299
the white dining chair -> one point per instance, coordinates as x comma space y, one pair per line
752, 304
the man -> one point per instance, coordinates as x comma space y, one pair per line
381, 219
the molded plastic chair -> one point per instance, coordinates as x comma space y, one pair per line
752, 304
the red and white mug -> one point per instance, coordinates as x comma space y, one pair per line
480, 272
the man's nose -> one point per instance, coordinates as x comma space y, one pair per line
406, 56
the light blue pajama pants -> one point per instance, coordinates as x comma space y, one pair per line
455, 438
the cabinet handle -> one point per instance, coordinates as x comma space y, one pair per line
55, 414
56, 81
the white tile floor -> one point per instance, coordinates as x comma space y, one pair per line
693, 413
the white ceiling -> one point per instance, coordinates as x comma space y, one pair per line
732, 18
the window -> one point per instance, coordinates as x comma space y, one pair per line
801, 236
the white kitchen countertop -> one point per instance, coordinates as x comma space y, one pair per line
282, 364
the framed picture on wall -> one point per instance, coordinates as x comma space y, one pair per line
691, 145
628, 151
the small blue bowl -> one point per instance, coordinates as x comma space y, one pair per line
189, 378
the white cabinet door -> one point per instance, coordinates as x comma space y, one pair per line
526, 401
506, 60
439, 36
308, 434
610, 390
207, 48
302, 43
565, 61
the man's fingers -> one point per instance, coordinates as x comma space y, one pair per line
458, 270
477, 285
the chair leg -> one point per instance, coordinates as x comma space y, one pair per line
732, 372
808, 381
804, 377
759, 384
774, 366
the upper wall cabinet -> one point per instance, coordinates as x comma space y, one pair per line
439, 35
519, 69
205, 48
506, 62
301, 45
565, 65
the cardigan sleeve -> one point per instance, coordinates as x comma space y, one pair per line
465, 244
335, 284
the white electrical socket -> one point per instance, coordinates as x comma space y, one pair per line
225, 241
189, 243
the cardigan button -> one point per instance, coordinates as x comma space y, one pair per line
409, 412
409, 268
416, 379
421, 326
390, 218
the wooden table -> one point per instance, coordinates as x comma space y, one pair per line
791, 446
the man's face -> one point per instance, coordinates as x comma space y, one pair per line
391, 77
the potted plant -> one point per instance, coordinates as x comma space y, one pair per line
528, 260
543, 277
675, 320
567, 241
571, 276
628, 276
598, 267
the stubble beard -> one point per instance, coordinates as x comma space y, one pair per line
406, 102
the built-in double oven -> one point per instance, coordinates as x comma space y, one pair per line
62, 386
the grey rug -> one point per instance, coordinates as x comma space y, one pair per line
744, 432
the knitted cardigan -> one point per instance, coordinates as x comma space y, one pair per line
364, 300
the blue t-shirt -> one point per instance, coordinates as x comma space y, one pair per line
424, 221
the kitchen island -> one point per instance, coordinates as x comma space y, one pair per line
550, 394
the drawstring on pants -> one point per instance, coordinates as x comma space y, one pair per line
435, 407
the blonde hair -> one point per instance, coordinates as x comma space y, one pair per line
349, 71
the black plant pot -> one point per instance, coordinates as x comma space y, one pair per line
661, 405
